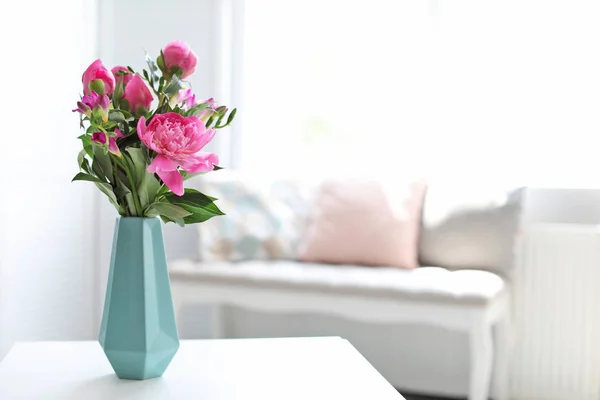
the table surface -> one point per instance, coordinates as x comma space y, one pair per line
324, 368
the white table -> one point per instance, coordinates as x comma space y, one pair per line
326, 368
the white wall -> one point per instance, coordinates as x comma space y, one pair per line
47, 258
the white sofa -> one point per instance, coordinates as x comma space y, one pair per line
470, 300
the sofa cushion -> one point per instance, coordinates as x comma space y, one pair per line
264, 218
364, 222
469, 227
427, 284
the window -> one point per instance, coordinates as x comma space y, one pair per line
497, 90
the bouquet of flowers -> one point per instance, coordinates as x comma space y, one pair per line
144, 136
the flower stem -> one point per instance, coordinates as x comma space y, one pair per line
136, 199
116, 180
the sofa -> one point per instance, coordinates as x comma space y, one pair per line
466, 240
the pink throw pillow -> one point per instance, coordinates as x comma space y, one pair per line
364, 222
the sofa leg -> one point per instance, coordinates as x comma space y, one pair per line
217, 323
482, 358
504, 346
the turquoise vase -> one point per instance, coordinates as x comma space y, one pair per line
138, 332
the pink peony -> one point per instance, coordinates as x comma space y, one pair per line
98, 77
178, 141
178, 54
100, 137
125, 78
137, 94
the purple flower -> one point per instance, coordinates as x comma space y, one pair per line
186, 98
100, 137
206, 114
94, 102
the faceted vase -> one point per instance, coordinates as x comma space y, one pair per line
138, 332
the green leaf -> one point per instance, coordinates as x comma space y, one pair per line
107, 190
131, 205
86, 141
129, 141
160, 61
80, 158
148, 190
229, 120
123, 179
175, 85
153, 68
128, 116
85, 165
200, 206
118, 93
176, 71
103, 163
210, 121
137, 160
168, 212
121, 191
197, 109
87, 177
178, 221
116, 116
151, 64
219, 119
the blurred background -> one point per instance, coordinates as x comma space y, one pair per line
496, 93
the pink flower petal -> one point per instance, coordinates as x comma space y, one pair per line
162, 163
99, 137
200, 162
173, 180
103, 102
119, 134
141, 131
112, 146
137, 94
203, 137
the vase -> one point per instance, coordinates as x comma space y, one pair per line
138, 332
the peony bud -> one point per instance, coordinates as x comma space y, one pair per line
97, 78
178, 59
138, 95
124, 75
